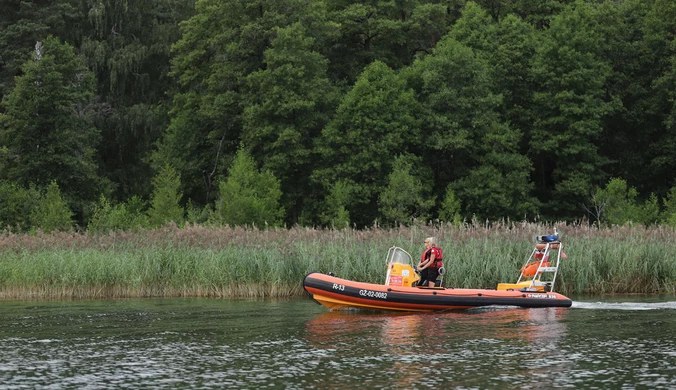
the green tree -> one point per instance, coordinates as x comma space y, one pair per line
468, 142
405, 197
374, 122
291, 100
392, 32
537, 13
508, 47
450, 207
570, 105
220, 46
127, 45
52, 212
198, 215
47, 129
657, 139
634, 135
617, 204
249, 196
476, 29
336, 205
429, 22
650, 211
16, 205
128, 216
165, 201
22, 25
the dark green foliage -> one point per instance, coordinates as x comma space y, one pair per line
650, 211
248, 196
570, 102
164, 203
638, 122
374, 123
127, 44
22, 25
469, 145
657, 111
508, 47
538, 13
220, 46
335, 212
406, 198
504, 108
392, 32
196, 214
291, 100
52, 212
453, 88
47, 129
107, 216
16, 206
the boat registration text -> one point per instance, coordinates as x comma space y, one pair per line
373, 294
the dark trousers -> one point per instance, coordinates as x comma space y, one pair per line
428, 275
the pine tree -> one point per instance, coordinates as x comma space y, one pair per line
47, 131
248, 196
52, 212
405, 198
164, 204
335, 213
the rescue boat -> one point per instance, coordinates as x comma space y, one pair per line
401, 293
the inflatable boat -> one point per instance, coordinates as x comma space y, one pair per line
400, 291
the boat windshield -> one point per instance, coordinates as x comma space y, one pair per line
397, 255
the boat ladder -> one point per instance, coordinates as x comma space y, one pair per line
542, 266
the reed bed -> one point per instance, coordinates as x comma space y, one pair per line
203, 261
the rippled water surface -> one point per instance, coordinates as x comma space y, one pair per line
208, 343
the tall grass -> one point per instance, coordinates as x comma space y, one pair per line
229, 262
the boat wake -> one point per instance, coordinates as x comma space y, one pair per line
625, 305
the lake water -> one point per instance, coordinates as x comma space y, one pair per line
209, 343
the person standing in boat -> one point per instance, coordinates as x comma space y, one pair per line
430, 262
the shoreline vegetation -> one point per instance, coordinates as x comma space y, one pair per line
224, 262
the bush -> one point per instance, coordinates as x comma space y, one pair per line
616, 204
126, 216
669, 213
52, 212
16, 205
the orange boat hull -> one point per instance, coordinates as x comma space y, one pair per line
336, 294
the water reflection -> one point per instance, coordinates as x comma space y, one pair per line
407, 330
447, 347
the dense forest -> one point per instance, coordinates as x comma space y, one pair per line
123, 114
